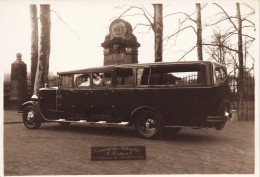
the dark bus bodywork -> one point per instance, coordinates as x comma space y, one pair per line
149, 96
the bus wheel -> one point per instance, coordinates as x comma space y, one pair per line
64, 124
224, 111
147, 124
31, 118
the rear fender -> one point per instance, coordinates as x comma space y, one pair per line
143, 108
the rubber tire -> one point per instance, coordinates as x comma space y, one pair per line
221, 111
140, 120
64, 124
37, 120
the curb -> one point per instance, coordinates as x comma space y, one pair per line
13, 122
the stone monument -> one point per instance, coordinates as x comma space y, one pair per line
120, 46
18, 85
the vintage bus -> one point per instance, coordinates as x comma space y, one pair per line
149, 96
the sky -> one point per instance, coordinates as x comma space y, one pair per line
76, 39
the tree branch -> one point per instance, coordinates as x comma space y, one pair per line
219, 21
222, 46
146, 11
147, 31
59, 17
215, 15
248, 21
189, 16
231, 33
135, 7
248, 26
187, 53
183, 13
226, 15
180, 31
253, 10
140, 24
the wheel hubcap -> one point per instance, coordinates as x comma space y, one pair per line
30, 116
149, 125
226, 114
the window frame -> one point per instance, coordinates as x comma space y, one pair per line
216, 82
60, 82
83, 87
124, 86
93, 86
172, 85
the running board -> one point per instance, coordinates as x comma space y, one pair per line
176, 126
99, 122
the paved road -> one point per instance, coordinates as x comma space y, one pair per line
53, 150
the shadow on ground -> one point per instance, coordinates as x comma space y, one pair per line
121, 131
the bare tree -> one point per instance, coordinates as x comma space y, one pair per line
240, 55
237, 30
156, 26
158, 32
44, 52
199, 32
34, 43
219, 53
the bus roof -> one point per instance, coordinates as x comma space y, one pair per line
111, 67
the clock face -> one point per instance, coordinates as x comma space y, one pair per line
118, 29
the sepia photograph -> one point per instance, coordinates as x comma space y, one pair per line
129, 87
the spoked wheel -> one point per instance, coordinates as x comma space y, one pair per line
148, 124
64, 124
31, 118
224, 111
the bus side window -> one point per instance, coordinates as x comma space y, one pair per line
124, 76
143, 76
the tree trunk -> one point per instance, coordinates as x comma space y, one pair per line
199, 32
43, 60
240, 56
34, 44
158, 32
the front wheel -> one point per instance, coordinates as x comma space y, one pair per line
31, 118
148, 125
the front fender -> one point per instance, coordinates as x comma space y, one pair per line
29, 103
35, 105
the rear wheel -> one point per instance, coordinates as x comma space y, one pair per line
31, 118
147, 124
224, 111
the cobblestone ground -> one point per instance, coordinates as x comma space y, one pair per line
53, 150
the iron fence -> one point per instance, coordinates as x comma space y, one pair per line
246, 110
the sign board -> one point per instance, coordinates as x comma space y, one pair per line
118, 153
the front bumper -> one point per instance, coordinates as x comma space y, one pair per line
214, 118
217, 118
